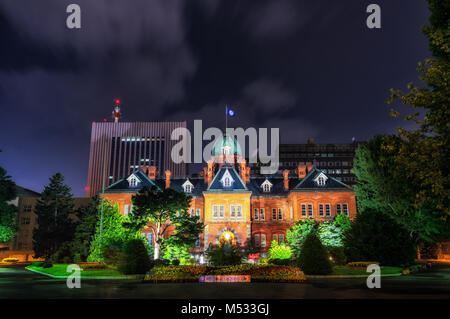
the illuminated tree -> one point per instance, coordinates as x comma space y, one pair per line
296, 235
8, 211
165, 213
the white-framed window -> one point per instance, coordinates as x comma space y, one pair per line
256, 216
280, 238
280, 213
257, 240
303, 210
321, 210
191, 213
218, 211
188, 188
274, 213
261, 214
328, 210
263, 240
27, 209
133, 181
321, 181
227, 182
236, 211
345, 209
310, 210
198, 212
126, 210
338, 208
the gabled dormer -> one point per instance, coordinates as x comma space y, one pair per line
321, 179
226, 180
133, 181
187, 186
266, 186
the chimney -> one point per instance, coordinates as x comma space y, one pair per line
247, 174
243, 171
168, 174
301, 171
310, 140
309, 167
151, 172
210, 171
205, 174
286, 179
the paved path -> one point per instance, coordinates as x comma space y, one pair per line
20, 283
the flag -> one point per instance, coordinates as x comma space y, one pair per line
230, 112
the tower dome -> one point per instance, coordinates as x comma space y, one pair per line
226, 146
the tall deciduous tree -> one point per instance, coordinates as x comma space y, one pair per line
8, 211
162, 211
53, 208
296, 235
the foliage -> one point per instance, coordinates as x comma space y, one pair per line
174, 252
8, 226
337, 255
384, 185
134, 259
418, 157
330, 234
296, 235
113, 234
85, 230
279, 251
313, 258
223, 255
374, 236
342, 221
53, 210
163, 209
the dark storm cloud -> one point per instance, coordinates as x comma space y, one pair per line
311, 68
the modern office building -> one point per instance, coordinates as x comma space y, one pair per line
335, 160
118, 148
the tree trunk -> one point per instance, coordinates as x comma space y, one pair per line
156, 250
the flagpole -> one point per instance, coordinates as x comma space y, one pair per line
226, 119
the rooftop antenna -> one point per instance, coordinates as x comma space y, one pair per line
116, 114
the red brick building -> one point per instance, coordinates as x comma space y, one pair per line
240, 208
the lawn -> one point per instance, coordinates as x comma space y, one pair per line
60, 270
350, 271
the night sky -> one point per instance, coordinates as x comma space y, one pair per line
311, 68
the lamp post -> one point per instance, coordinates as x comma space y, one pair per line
103, 194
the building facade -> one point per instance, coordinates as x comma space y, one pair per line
336, 160
239, 208
118, 148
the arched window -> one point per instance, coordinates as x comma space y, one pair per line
266, 188
188, 188
227, 182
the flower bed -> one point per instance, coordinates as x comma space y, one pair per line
258, 272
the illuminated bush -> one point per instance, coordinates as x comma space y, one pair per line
279, 251
224, 255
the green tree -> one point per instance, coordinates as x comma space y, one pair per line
374, 236
109, 231
53, 210
165, 213
134, 258
296, 235
330, 234
8, 211
313, 258
420, 155
85, 230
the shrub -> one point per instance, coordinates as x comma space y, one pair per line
279, 251
47, 265
175, 262
134, 259
159, 262
281, 262
376, 236
224, 255
337, 255
313, 258
92, 266
38, 263
295, 236
112, 253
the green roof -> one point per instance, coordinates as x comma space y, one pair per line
221, 143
